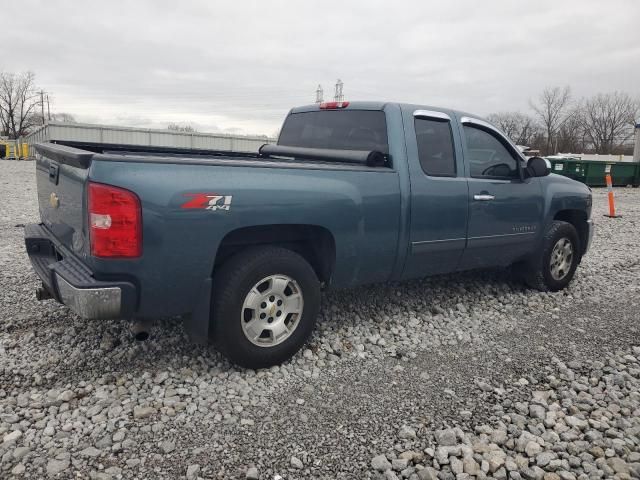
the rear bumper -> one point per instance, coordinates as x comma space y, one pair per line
72, 283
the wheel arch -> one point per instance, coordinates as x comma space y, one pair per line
314, 243
577, 218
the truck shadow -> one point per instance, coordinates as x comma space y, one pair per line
87, 349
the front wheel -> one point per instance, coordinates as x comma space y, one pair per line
264, 306
554, 267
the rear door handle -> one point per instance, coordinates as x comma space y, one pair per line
484, 197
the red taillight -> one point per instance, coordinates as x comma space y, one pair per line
333, 105
115, 222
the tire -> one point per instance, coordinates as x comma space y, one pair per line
248, 279
539, 273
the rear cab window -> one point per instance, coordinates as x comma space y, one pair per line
336, 129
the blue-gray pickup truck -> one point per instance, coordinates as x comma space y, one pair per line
241, 245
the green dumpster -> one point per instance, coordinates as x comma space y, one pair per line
593, 172
596, 173
571, 167
627, 173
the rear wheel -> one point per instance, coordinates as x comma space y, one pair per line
264, 306
554, 267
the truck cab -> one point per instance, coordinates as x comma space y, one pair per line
469, 201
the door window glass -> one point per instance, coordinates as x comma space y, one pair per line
487, 156
435, 147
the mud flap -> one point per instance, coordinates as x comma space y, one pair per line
197, 324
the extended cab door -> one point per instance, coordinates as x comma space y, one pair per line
505, 209
439, 194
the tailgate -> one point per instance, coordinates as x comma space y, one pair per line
61, 175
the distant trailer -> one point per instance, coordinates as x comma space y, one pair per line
12, 150
114, 135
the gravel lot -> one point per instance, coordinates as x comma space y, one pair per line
452, 377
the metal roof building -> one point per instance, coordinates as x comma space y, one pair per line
109, 134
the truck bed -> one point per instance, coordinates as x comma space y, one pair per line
361, 205
149, 154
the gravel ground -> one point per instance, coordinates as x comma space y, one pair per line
443, 378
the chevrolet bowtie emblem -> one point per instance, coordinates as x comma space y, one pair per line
54, 200
272, 311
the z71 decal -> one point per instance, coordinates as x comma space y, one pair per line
208, 201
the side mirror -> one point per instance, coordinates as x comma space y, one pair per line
538, 167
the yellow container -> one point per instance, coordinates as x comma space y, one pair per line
25, 150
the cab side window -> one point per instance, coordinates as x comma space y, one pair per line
435, 147
487, 156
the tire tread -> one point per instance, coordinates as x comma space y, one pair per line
226, 282
533, 272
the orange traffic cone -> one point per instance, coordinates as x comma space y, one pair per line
612, 200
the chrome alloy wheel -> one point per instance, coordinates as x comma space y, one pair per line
271, 310
561, 258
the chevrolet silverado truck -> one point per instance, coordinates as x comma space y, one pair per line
241, 245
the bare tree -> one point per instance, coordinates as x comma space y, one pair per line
18, 103
63, 117
570, 137
551, 108
608, 119
181, 128
519, 127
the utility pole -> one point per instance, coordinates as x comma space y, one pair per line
48, 109
42, 104
339, 97
319, 94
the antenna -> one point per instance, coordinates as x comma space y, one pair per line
319, 94
339, 97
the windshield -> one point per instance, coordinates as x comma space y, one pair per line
336, 129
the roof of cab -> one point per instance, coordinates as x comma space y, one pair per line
365, 105
352, 106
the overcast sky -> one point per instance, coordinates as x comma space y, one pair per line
238, 66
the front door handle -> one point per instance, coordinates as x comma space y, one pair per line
484, 197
